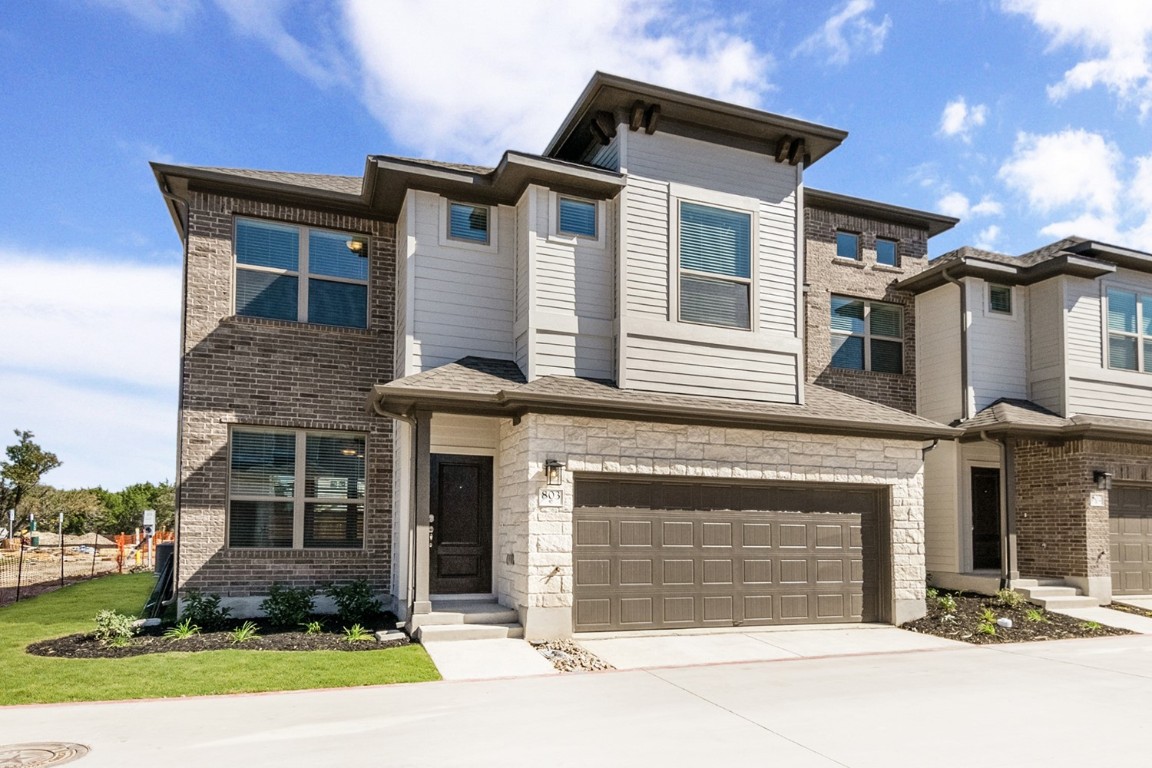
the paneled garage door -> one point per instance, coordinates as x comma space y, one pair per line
663, 555
1130, 532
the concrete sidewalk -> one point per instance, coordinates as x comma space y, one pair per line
1111, 618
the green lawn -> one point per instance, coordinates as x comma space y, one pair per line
30, 679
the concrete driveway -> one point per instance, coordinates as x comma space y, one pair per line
1041, 704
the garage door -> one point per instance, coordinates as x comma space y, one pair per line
664, 555
1130, 531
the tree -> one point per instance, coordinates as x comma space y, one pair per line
20, 474
123, 510
82, 508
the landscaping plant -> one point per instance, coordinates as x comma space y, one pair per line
245, 632
312, 627
287, 606
354, 602
1009, 598
114, 628
356, 633
205, 611
183, 630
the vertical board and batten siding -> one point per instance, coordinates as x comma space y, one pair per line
1093, 388
463, 297
938, 392
1046, 344
997, 348
941, 509
668, 356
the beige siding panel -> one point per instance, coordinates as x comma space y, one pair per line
403, 304
565, 354
522, 351
572, 277
1046, 344
1094, 397
670, 365
669, 157
522, 255
997, 344
607, 156
646, 224
452, 433
941, 509
1084, 325
938, 395
464, 297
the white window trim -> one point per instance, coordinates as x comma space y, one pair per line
867, 335
1140, 292
1012, 300
302, 273
298, 501
678, 193
569, 238
859, 257
447, 241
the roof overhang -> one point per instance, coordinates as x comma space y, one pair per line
1007, 274
1077, 428
685, 114
934, 223
388, 179
1121, 257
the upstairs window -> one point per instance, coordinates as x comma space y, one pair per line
848, 245
468, 222
1129, 331
867, 335
715, 266
296, 490
576, 217
886, 252
308, 275
1000, 299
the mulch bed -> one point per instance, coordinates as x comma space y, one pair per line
963, 622
152, 640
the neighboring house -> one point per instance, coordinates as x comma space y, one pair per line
1045, 361
608, 387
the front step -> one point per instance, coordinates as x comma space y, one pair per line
465, 620
1053, 594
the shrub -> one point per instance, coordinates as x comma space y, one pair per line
354, 602
313, 628
114, 628
205, 611
287, 606
245, 632
1009, 598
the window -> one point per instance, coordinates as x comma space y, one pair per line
299, 490
304, 274
468, 222
886, 252
577, 217
848, 245
1000, 299
867, 335
1129, 331
715, 266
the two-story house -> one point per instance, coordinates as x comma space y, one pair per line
607, 387
1044, 361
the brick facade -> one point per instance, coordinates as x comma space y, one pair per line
272, 373
825, 275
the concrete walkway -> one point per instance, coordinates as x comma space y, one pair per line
887, 710
1111, 618
487, 659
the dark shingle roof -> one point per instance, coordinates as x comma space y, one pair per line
1023, 416
349, 185
465, 167
1009, 411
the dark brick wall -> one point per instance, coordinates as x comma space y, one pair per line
825, 275
250, 371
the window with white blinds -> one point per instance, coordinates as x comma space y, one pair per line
715, 265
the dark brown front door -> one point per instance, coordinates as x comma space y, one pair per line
985, 518
461, 524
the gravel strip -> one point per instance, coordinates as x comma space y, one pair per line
567, 656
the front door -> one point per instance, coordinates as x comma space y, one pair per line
461, 507
985, 518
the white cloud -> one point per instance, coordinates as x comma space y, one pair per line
1069, 168
1115, 36
467, 80
958, 119
847, 33
987, 238
958, 205
325, 65
161, 15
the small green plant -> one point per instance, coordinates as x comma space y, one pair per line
987, 614
205, 611
354, 602
312, 627
243, 633
182, 631
1036, 615
947, 603
114, 628
356, 633
932, 593
986, 628
1091, 626
1009, 598
287, 606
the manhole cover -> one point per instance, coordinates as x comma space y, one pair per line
34, 754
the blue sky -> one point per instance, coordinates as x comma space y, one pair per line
1026, 118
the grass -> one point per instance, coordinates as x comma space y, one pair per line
33, 679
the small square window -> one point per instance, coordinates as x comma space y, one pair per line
577, 217
886, 252
848, 245
1000, 299
468, 222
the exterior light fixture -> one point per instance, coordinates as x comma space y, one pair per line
1102, 479
554, 471
356, 246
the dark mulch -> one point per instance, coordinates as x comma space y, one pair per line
152, 640
964, 621
1131, 609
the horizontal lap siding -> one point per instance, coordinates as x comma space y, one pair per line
1046, 345
998, 356
684, 367
938, 373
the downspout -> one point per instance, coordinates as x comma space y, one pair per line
1008, 566
965, 412
412, 422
